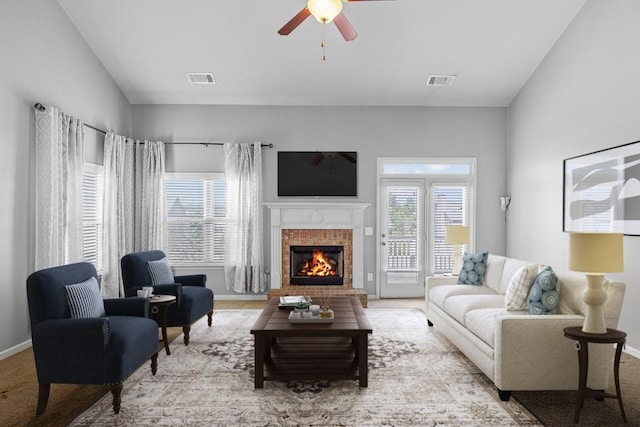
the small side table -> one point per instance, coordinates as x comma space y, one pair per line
159, 305
613, 336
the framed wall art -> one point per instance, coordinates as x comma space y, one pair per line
602, 191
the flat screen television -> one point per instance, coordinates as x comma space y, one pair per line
317, 173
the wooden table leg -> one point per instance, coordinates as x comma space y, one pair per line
616, 370
259, 354
583, 363
163, 314
363, 359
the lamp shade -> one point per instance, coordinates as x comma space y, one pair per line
456, 234
324, 10
596, 252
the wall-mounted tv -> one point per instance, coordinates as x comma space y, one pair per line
317, 173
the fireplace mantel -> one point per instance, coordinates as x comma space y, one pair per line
317, 215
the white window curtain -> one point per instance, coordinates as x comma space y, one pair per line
243, 255
59, 171
134, 216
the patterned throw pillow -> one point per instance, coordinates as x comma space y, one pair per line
160, 272
474, 266
519, 286
84, 299
544, 296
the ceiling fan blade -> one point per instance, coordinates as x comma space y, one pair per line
344, 26
294, 22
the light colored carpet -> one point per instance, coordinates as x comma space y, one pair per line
415, 378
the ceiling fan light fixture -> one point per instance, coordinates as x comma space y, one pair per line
324, 10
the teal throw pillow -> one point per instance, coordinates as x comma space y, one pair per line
544, 295
84, 299
474, 266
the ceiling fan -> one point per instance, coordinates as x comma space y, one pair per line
325, 11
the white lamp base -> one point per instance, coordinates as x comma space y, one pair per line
457, 260
594, 297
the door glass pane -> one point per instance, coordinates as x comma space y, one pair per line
449, 208
404, 245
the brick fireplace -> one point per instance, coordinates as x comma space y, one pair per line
317, 225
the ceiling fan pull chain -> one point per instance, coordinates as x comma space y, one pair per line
322, 43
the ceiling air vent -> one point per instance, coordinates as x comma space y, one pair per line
440, 80
201, 78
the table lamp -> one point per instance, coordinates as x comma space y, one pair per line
595, 254
456, 235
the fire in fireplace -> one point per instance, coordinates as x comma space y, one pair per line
316, 265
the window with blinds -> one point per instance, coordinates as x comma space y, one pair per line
195, 218
450, 207
92, 192
404, 224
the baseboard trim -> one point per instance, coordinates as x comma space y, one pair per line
15, 349
632, 351
259, 297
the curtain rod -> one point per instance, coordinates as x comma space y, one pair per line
41, 107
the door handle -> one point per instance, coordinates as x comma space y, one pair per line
383, 244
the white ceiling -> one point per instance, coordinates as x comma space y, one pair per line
493, 46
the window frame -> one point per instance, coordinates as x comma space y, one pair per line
204, 176
97, 170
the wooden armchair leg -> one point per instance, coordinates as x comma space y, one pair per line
43, 398
186, 329
209, 316
116, 391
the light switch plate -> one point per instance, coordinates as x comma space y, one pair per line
368, 231
369, 277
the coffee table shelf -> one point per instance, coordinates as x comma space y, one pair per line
313, 351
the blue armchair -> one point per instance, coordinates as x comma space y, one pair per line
87, 350
193, 298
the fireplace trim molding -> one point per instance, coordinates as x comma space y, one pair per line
319, 215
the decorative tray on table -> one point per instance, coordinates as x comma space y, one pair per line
293, 318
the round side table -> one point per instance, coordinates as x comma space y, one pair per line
159, 305
613, 336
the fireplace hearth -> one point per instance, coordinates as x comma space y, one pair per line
316, 265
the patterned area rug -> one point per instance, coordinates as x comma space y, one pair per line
416, 378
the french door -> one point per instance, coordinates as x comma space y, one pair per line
402, 237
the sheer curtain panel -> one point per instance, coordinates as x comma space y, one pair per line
59, 171
134, 218
243, 255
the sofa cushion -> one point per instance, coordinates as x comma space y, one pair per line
160, 272
439, 294
495, 265
544, 296
474, 267
459, 305
482, 322
84, 299
511, 265
518, 291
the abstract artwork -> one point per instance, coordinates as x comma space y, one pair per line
602, 191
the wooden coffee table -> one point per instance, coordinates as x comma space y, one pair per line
312, 351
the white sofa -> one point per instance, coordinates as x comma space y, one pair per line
515, 349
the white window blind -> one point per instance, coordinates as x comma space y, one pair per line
450, 207
404, 225
92, 192
196, 218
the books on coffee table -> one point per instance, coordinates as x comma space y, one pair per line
291, 301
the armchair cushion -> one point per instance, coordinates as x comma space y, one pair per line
84, 299
160, 272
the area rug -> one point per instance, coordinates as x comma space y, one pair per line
416, 378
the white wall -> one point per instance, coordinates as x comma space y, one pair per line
44, 59
585, 96
372, 132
